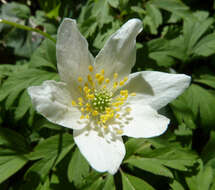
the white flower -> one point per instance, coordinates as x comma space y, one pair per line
98, 98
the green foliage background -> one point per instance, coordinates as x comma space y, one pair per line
178, 37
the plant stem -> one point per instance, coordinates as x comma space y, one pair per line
23, 27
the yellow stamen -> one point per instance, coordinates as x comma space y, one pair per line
133, 94
115, 84
125, 79
82, 117
74, 103
102, 71
107, 80
115, 75
82, 109
121, 83
119, 131
98, 75
95, 113
80, 79
90, 68
87, 116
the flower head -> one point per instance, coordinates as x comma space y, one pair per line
100, 100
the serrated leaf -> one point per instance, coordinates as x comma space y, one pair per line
201, 181
201, 101
51, 146
78, 168
206, 79
153, 17
151, 165
45, 56
130, 182
173, 6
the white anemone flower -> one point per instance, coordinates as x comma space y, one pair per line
98, 97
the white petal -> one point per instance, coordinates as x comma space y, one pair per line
156, 89
73, 57
144, 122
53, 101
101, 154
119, 52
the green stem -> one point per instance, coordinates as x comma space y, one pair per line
23, 27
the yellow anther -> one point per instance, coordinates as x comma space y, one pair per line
80, 79
115, 84
98, 75
124, 93
80, 99
125, 79
102, 71
87, 116
90, 68
107, 80
90, 96
85, 89
105, 126
107, 109
128, 109
119, 131
104, 86
82, 109
117, 109
133, 94
82, 117
80, 89
95, 113
89, 78
117, 116
121, 83
74, 103
115, 75
100, 80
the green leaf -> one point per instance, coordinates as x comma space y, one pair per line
109, 183
10, 165
202, 181
153, 17
206, 46
175, 185
130, 182
51, 146
207, 79
151, 165
78, 168
193, 31
21, 80
173, 6
45, 56
201, 101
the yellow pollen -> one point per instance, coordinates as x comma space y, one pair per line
101, 78
90, 96
98, 75
107, 80
104, 86
82, 117
80, 79
121, 83
125, 79
128, 109
87, 116
133, 94
90, 68
89, 78
117, 116
95, 113
80, 99
119, 131
102, 71
104, 126
115, 75
115, 84
74, 103
82, 109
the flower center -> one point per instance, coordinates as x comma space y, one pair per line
97, 102
101, 100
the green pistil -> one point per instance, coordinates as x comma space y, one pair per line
101, 101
